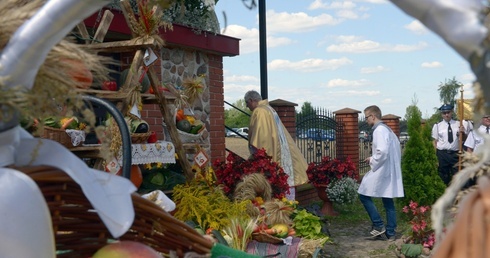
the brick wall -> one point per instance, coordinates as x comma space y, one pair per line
393, 122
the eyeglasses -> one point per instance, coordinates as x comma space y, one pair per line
366, 118
446, 112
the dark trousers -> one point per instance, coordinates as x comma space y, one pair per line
447, 164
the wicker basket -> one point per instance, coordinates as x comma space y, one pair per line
189, 137
58, 135
139, 138
266, 238
79, 232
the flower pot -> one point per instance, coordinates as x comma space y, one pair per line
327, 207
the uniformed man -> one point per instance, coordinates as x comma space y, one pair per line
446, 142
475, 140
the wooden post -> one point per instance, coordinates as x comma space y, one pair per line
461, 120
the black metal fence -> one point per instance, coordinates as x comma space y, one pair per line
316, 134
365, 145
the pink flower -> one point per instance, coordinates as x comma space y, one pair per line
413, 205
405, 209
415, 227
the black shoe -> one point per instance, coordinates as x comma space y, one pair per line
376, 232
381, 237
390, 238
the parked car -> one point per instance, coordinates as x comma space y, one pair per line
404, 137
243, 131
318, 134
363, 136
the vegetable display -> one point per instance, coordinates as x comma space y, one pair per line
186, 123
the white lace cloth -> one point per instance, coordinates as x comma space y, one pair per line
161, 151
77, 136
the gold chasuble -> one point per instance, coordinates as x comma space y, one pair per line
267, 131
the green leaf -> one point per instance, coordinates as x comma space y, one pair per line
411, 250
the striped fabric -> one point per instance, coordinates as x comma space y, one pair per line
272, 250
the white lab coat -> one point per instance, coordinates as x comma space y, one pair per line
385, 177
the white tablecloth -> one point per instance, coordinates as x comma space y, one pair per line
161, 151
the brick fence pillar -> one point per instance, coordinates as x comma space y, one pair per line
393, 122
287, 113
348, 134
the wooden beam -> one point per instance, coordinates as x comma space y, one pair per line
171, 126
123, 46
82, 29
103, 26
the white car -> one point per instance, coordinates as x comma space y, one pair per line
242, 131
404, 137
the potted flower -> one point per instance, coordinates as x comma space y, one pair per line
327, 171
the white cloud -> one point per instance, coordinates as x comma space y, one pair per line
241, 78
417, 27
387, 101
373, 69
343, 9
434, 64
297, 22
468, 77
319, 4
309, 65
354, 44
347, 83
363, 93
249, 39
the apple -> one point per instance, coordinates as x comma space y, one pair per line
109, 85
126, 249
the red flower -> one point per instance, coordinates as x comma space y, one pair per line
322, 173
230, 173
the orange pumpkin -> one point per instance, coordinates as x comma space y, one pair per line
180, 115
79, 72
136, 175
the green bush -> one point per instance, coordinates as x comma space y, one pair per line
421, 180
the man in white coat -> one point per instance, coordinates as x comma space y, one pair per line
384, 180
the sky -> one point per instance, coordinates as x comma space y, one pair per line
340, 54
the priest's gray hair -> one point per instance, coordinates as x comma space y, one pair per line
252, 95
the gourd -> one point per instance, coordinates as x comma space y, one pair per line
184, 125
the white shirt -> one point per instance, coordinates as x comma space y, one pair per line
385, 177
440, 133
474, 139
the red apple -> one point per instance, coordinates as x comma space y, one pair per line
126, 249
109, 85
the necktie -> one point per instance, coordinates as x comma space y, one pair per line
449, 133
488, 128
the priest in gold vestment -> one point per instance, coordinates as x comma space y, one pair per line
267, 131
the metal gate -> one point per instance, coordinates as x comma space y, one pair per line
316, 133
365, 145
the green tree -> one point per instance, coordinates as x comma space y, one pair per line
421, 180
237, 117
307, 112
448, 91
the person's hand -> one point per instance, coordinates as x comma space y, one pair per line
461, 129
367, 160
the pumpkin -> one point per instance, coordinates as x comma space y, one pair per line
79, 72
136, 175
